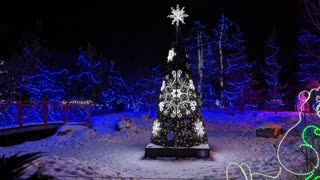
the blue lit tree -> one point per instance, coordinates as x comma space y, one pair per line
308, 57
31, 53
221, 47
229, 48
204, 69
271, 72
117, 92
88, 77
146, 92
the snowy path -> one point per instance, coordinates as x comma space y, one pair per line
86, 153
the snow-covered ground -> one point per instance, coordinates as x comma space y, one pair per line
78, 152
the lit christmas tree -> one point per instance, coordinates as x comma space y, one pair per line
236, 72
87, 81
229, 49
271, 71
308, 57
221, 47
179, 126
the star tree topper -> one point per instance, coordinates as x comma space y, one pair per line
177, 15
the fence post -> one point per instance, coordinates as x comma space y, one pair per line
64, 109
89, 112
20, 120
45, 111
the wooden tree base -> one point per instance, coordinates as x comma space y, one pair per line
200, 152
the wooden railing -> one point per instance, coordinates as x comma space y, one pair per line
20, 113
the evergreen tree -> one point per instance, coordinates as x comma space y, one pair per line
31, 52
237, 80
148, 90
88, 79
271, 71
222, 50
116, 91
46, 83
204, 69
179, 121
308, 57
234, 70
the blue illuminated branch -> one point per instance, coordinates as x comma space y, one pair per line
45, 83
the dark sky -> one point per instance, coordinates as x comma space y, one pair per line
137, 33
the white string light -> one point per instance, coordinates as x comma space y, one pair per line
304, 100
242, 166
250, 175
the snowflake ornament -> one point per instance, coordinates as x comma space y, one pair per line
156, 127
177, 15
199, 128
171, 55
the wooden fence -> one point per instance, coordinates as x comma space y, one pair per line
21, 113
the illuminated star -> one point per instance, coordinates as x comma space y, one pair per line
177, 15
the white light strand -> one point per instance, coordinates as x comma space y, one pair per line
176, 96
177, 15
300, 119
250, 175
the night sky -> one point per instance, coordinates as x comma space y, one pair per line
136, 34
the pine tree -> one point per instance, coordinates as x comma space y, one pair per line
88, 79
308, 57
31, 52
271, 71
229, 45
179, 121
237, 79
222, 50
116, 91
204, 69
46, 83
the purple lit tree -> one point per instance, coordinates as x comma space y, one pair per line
313, 10
204, 69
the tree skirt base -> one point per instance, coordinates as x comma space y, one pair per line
200, 152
